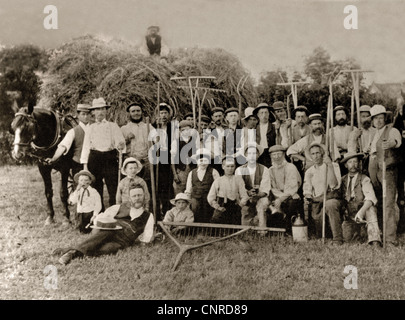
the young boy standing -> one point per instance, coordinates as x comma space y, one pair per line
88, 200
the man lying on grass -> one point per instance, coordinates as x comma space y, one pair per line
116, 228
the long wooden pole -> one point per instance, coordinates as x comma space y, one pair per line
384, 200
328, 120
152, 174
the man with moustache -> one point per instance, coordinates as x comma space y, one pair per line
135, 133
300, 128
127, 223
341, 130
299, 151
232, 135
384, 149
282, 124
99, 154
359, 202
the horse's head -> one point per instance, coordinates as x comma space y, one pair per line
24, 129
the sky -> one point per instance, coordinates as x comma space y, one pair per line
263, 34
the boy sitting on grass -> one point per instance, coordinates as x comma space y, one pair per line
130, 168
88, 200
180, 213
227, 195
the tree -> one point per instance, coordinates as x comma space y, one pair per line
268, 90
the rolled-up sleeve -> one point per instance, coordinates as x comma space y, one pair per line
368, 190
147, 235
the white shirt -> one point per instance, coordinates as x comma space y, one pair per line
314, 180
87, 200
70, 137
147, 235
263, 135
101, 136
137, 147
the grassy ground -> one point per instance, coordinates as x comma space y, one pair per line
231, 270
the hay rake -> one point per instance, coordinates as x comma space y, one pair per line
195, 88
219, 232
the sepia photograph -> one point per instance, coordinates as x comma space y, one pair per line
203, 155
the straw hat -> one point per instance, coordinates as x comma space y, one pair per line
131, 160
99, 103
105, 223
83, 108
266, 106
84, 173
365, 108
350, 155
180, 196
249, 113
186, 123
203, 152
315, 116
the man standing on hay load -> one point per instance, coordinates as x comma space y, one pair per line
153, 44
384, 151
119, 227
359, 202
102, 142
136, 137
257, 183
227, 195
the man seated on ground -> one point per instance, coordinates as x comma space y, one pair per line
314, 189
227, 195
117, 228
360, 201
285, 180
257, 184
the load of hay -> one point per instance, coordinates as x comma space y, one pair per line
90, 67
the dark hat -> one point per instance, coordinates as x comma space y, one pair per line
340, 108
205, 118
315, 116
266, 106
133, 104
278, 105
300, 108
217, 109
165, 106
231, 110
350, 155
189, 114
154, 27
276, 148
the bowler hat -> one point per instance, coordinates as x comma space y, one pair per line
99, 103
377, 109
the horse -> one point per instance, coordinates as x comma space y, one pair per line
37, 132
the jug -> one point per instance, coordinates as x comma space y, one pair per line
299, 229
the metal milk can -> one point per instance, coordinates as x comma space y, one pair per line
299, 229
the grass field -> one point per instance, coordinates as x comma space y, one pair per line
229, 270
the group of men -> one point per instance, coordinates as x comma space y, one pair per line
259, 169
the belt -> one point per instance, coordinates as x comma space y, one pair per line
102, 152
